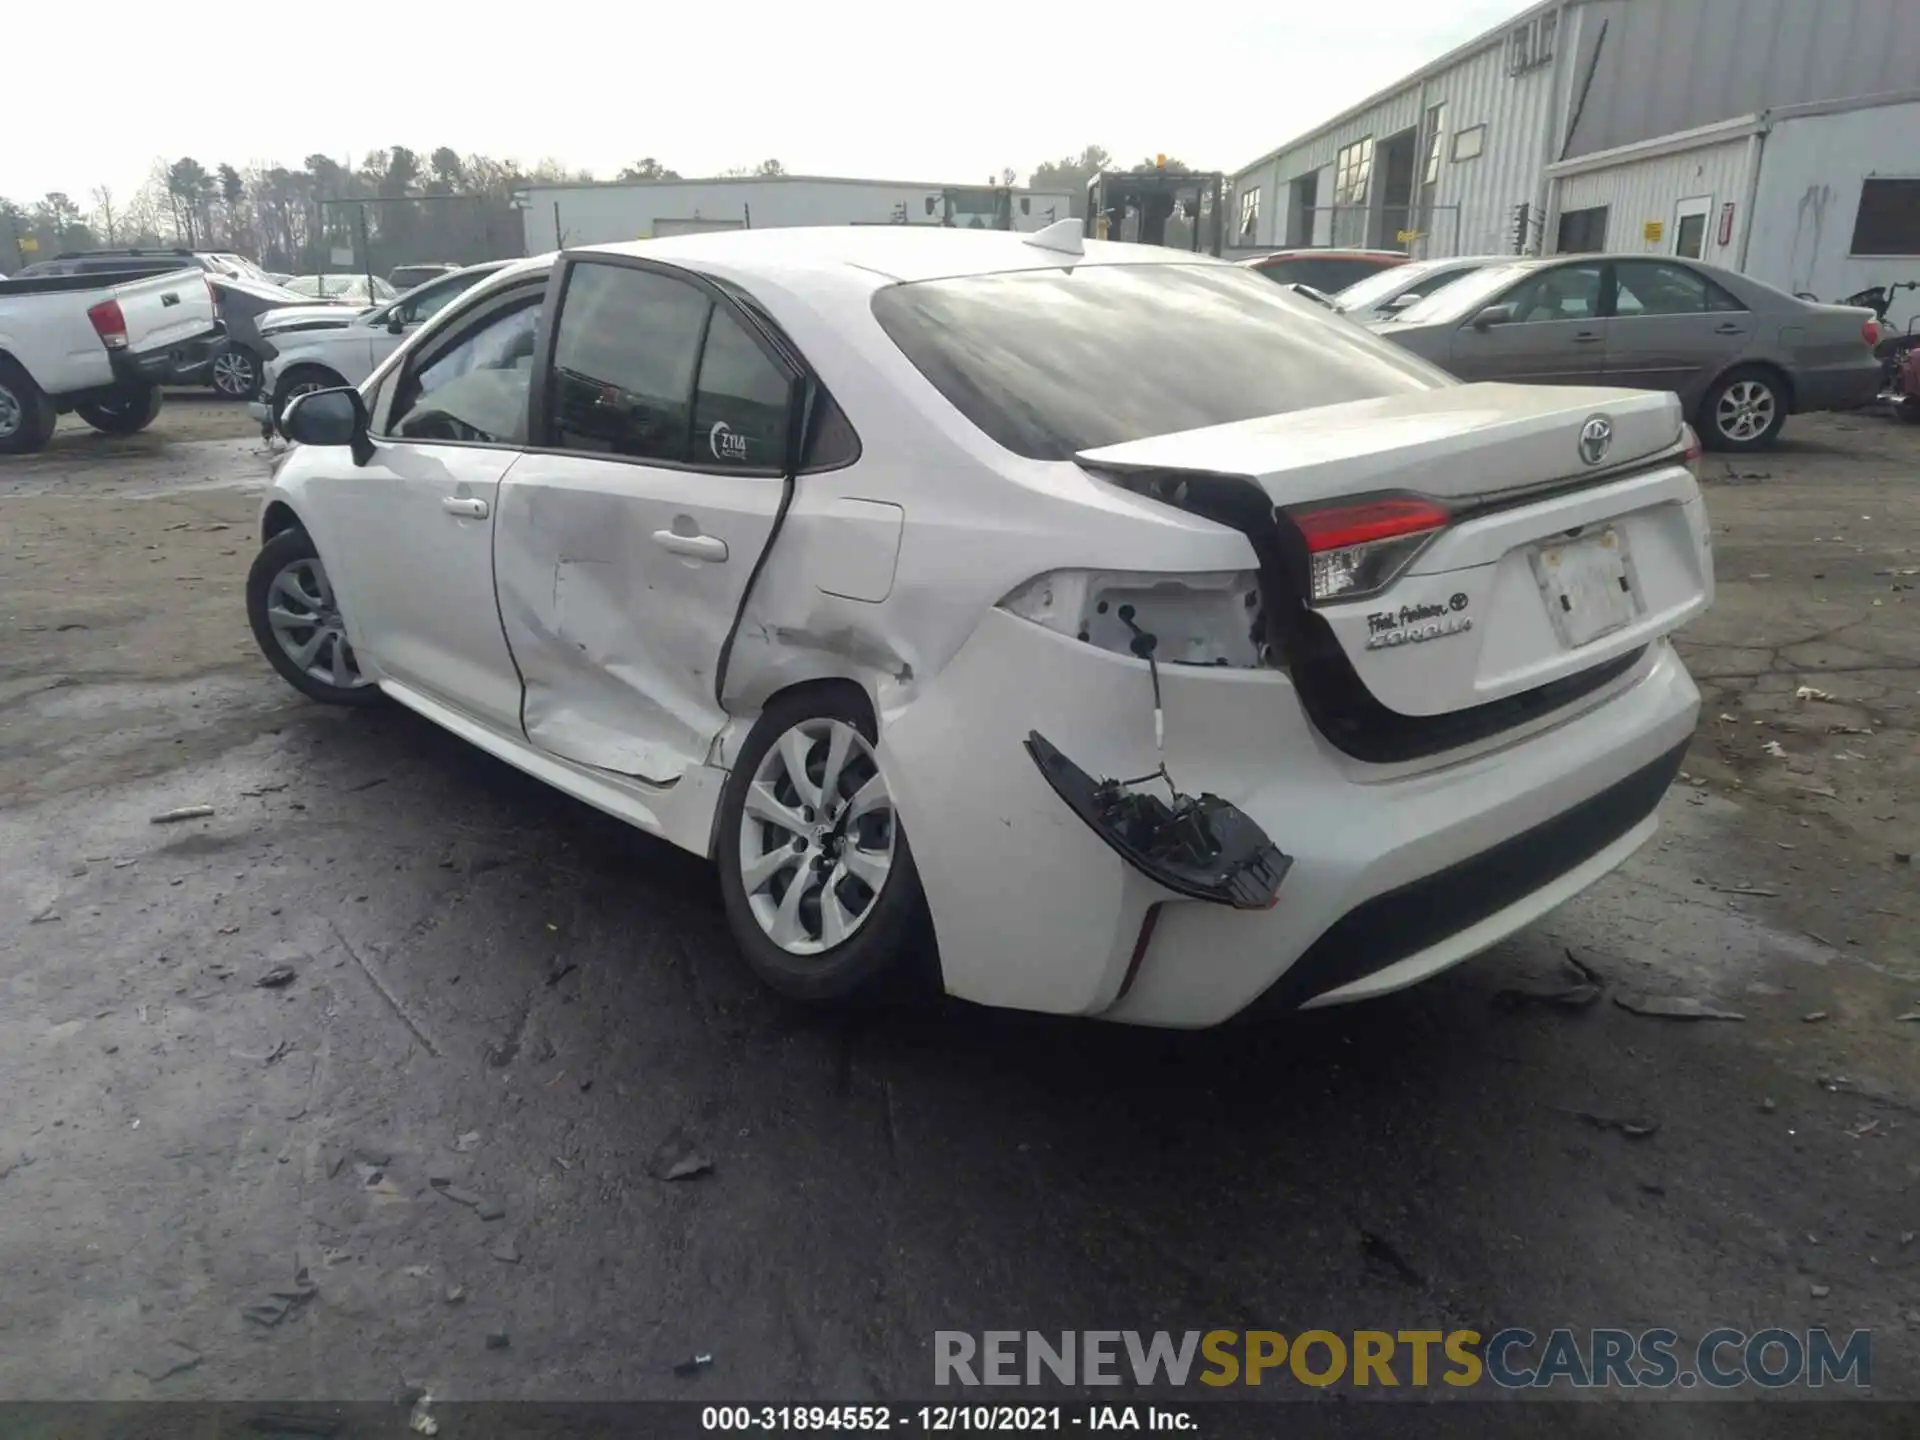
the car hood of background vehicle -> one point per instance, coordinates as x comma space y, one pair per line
308, 317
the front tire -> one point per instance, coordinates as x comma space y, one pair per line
816, 873
301, 381
1744, 410
297, 623
127, 412
27, 416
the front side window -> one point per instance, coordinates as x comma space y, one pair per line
1566, 292
477, 389
1050, 362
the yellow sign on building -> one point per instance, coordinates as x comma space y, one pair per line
1652, 231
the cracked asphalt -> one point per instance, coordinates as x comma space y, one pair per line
503, 1001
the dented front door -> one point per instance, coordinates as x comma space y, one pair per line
623, 550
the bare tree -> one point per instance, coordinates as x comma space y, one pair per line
103, 214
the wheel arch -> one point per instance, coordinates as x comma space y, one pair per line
278, 518
728, 746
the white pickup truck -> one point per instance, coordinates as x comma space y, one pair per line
87, 344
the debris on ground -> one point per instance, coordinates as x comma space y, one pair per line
1674, 1007
1775, 749
678, 1159
1808, 692
558, 970
455, 1294
498, 1340
420, 1422
490, 1210
1633, 1127
1910, 1015
459, 1196
1813, 1017
184, 812
1745, 890
467, 1142
169, 1359
1566, 997
1653, 1187
282, 1301
1820, 1292
278, 977
693, 1365
45, 917
505, 1251
1767, 1107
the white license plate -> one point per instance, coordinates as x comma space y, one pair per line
1588, 586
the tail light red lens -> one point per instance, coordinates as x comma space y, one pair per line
1692, 449
1359, 549
109, 324
1870, 332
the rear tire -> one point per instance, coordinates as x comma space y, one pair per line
235, 373
1744, 410
128, 412
887, 949
27, 416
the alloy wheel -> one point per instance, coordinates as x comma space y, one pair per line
12, 413
1745, 411
817, 838
306, 622
234, 374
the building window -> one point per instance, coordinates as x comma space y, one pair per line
1582, 232
1468, 144
1249, 215
1436, 132
1530, 46
1352, 168
1889, 218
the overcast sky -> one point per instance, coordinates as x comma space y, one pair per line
947, 92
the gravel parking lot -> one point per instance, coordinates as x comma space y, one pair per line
499, 996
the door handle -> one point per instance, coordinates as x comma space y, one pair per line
466, 509
1730, 329
694, 547
1586, 337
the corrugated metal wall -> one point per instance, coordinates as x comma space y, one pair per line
1638, 191
1482, 192
1672, 65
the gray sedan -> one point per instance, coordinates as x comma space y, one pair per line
1740, 355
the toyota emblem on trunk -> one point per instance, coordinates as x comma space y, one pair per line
1596, 439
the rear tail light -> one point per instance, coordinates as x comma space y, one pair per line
1358, 550
1870, 332
1690, 447
109, 324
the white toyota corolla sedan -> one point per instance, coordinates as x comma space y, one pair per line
1103, 624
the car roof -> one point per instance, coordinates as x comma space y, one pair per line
872, 256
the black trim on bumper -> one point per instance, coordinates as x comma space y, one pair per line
163, 367
1388, 928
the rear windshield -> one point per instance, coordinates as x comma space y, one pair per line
1052, 362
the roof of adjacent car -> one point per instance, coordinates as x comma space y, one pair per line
884, 254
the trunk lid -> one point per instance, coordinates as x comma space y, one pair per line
1552, 563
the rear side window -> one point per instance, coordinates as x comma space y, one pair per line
1326, 273
1051, 362
647, 366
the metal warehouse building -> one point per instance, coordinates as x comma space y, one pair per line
1780, 137
557, 216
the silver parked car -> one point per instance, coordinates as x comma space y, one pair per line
1386, 293
1740, 355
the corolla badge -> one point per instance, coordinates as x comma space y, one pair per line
1596, 439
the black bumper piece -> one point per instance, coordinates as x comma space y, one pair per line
1204, 849
1390, 927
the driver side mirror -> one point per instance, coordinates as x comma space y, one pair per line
329, 417
396, 322
1404, 301
1494, 315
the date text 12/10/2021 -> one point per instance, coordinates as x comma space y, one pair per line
942, 1419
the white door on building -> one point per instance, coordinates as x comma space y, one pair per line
1690, 227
